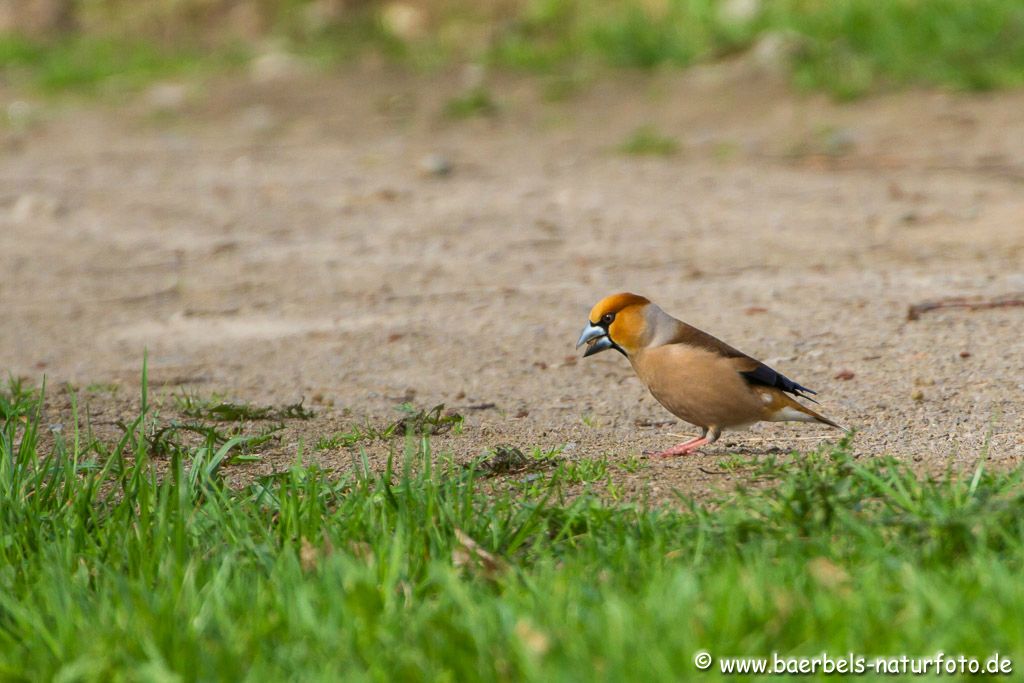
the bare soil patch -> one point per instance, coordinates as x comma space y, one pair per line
277, 241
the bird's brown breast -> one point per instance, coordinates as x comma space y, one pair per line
698, 385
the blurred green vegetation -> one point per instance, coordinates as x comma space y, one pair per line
87, 63
845, 47
475, 102
647, 141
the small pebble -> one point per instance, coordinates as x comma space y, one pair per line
435, 165
404, 20
33, 207
256, 120
167, 97
20, 113
275, 66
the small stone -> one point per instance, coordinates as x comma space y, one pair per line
839, 142
276, 65
435, 165
774, 50
32, 207
167, 97
256, 119
404, 20
845, 375
474, 76
917, 395
739, 11
965, 354
21, 114
910, 218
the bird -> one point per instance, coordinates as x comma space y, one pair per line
695, 376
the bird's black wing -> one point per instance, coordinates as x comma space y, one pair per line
753, 370
764, 375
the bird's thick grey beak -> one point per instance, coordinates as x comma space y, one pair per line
597, 335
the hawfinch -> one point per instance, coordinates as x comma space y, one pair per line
697, 377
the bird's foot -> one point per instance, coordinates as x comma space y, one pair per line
671, 452
690, 446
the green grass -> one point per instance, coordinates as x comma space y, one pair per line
647, 141
413, 422
90, 64
473, 103
845, 47
217, 409
118, 562
361, 33
851, 47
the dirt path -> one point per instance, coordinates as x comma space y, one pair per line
279, 241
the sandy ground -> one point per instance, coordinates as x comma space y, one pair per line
279, 240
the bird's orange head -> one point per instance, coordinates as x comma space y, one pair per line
617, 322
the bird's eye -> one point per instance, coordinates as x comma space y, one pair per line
607, 318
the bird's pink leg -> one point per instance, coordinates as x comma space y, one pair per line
683, 448
708, 436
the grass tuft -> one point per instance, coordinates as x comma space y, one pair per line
413, 423
473, 103
91, 64
647, 141
217, 409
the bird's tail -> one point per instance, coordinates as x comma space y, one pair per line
793, 410
820, 418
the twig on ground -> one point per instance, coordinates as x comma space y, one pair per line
971, 303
